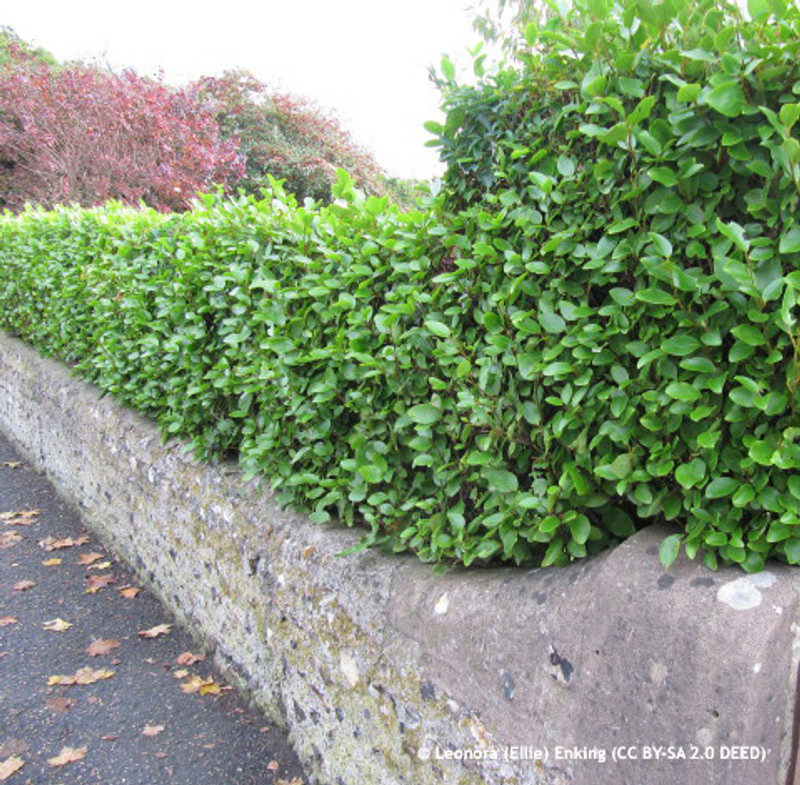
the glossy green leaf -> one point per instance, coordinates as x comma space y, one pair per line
424, 413
721, 486
437, 328
682, 391
669, 549
655, 296
727, 99
501, 480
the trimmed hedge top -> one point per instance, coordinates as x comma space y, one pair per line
594, 325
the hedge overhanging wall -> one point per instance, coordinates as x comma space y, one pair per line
385, 671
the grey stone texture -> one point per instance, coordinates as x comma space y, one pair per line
608, 672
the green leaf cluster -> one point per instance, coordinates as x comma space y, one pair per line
641, 163
593, 326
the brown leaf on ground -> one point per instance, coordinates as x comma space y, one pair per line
89, 558
8, 540
96, 582
60, 705
51, 562
89, 676
10, 766
129, 592
57, 625
187, 658
181, 674
55, 544
273, 765
292, 781
68, 755
102, 565
19, 517
109, 737
100, 647
82, 676
6, 620
24, 585
154, 632
203, 686
12, 464
152, 730
13, 747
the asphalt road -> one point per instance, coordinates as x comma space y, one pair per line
85, 697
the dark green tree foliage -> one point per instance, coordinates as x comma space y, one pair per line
285, 137
598, 328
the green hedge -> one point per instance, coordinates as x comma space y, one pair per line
605, 333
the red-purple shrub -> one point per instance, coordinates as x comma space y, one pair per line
78, 134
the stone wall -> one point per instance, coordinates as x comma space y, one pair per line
610, 671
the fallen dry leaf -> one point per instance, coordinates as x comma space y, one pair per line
51, 562
187, 658
181, 674
100, 647
109, 737
292, 781
68, 755
9, 539
19, 517
12, 464
55, 544
60, 705
96, 582
57, 625
273, 765
6, 620
102, 565
203, 686
13, 747
154, 632
10, 766
89, 558
152, 730
82, 676
24, 585
129, 592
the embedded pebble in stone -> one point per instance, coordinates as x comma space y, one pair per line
704, 737
743, 593
442, 604
349, 668
762, 579
509, 685
658, 673
739, 594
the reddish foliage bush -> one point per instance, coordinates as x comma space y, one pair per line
78, 134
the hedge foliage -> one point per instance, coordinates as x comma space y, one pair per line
593, 326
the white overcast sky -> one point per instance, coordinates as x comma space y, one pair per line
365, 59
